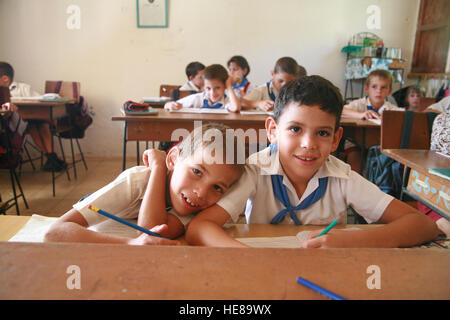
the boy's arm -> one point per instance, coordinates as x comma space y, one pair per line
206, 229
153, 207
265, 105
72, 227
235, 103
405, 227
351, 113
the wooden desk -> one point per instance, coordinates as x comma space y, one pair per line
161, 127
423, 186
43, 110
39, 271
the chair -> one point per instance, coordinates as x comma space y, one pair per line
168, 90
406, 130
71, 90
5, 131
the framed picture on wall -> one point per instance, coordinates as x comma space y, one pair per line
151, 13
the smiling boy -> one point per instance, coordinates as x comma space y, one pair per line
163, 196
296, 180
218, 92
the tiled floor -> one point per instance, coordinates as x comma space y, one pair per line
37, 186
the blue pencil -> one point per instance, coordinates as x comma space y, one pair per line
125, 222
319, 289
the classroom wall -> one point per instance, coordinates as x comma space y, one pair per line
115, 61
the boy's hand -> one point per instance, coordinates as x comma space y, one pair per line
145, 239
333, 239
154, 157
172, 105
230, 81
369, 114
266, 105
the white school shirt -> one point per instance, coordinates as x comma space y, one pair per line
20, 89
121, 197
361, 105
261, 93
345, 187
240, 91
196, 101
442, 106
189, 86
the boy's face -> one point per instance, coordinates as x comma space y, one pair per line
414, 100
235, 71
214, 89
197, 185
377, 90
305, 136
280, 79
198, 79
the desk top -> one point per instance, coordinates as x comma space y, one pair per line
29, 103
415, 158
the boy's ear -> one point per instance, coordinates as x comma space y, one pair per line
191, 77
271, 130
172, 157
337, 138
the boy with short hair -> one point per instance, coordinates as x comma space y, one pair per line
263, 97
38, 129
194, 73
413, 96
163, 196
213, 97
296, 180
378, 87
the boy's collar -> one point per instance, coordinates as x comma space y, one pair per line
193, 86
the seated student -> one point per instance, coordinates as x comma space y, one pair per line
413, 96
296, 180
238, 69
440, 106
194, 73
377, 87
214, 97
185, 180
263, 97
38, 129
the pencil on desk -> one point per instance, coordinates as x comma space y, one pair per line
125, 222
319, 289
328, 228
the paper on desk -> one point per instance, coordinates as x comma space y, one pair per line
277, 242
281, 242
201, 110
270, 113
35, 229
376, 121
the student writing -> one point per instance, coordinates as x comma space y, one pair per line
218, 93
263, 97
194, 73
296, 180
182, 180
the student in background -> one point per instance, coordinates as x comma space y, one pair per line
377, 87
213, 97
238, 69
186, 180
296, 180
263, 97
194, 73
413, 96
38, 129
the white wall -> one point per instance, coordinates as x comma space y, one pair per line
115, 61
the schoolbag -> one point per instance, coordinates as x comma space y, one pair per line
79, 118
385, 172
12, 137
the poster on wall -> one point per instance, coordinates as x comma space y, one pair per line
151, 13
